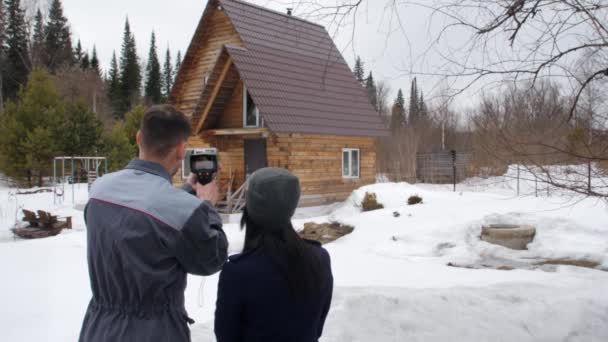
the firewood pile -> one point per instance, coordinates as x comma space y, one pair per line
42, 225
325, 232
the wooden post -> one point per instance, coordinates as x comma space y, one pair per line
454, 168
589, 176
517, 179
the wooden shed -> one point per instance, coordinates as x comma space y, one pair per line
270, 89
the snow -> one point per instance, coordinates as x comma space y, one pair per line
392, 282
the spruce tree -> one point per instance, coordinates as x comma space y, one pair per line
85, 62
398, 114
95, 62
153, 88
370, 85
16, 66
2, 63
359, 71
130, 72
78, 53
414, 103
114, 87
178, 64
423, 111
167, 75
58, 41
38, 40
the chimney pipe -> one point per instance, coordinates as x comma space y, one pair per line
289, 11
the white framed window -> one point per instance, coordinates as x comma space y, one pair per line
251, 114
185, 164
351, 162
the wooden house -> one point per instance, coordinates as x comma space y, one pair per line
270, 89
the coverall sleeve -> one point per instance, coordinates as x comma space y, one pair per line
202, 247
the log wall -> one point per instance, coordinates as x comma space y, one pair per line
315, 159
218, 32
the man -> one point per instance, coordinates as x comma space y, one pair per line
144, 235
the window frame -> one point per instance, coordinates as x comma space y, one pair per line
350, 163
257, 112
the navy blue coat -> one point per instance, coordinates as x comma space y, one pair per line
254, 303
143, 236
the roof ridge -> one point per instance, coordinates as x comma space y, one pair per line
274, 12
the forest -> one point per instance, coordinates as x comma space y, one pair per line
56, 99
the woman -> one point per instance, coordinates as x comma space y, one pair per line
279, 288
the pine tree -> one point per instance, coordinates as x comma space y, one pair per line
95, 62
370, 85
85, 62
132, 122
414, 103
16, 66
81, 130
359, 71
78, 53
398, 114
167, 75
58, 41
153, 88
114, 87
178, 64
118, 149
30, 130
38, 40
130, 72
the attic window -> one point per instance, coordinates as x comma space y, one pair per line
251, 114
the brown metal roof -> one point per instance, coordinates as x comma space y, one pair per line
296, 76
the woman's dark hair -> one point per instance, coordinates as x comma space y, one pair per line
296, 260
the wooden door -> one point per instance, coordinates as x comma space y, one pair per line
255, 155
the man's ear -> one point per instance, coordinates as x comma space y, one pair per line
180, 152
138, 139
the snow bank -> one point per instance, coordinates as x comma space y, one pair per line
522, 312
391, 278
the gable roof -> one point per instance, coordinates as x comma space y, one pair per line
296, 76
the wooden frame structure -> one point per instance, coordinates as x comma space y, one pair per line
88, 163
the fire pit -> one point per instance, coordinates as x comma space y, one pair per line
508, 235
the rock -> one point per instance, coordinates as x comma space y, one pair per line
511, 236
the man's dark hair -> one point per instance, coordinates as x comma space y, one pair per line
162, 128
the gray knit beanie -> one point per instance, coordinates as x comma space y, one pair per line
272, 197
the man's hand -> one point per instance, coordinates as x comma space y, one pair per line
209, 192
192, 180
